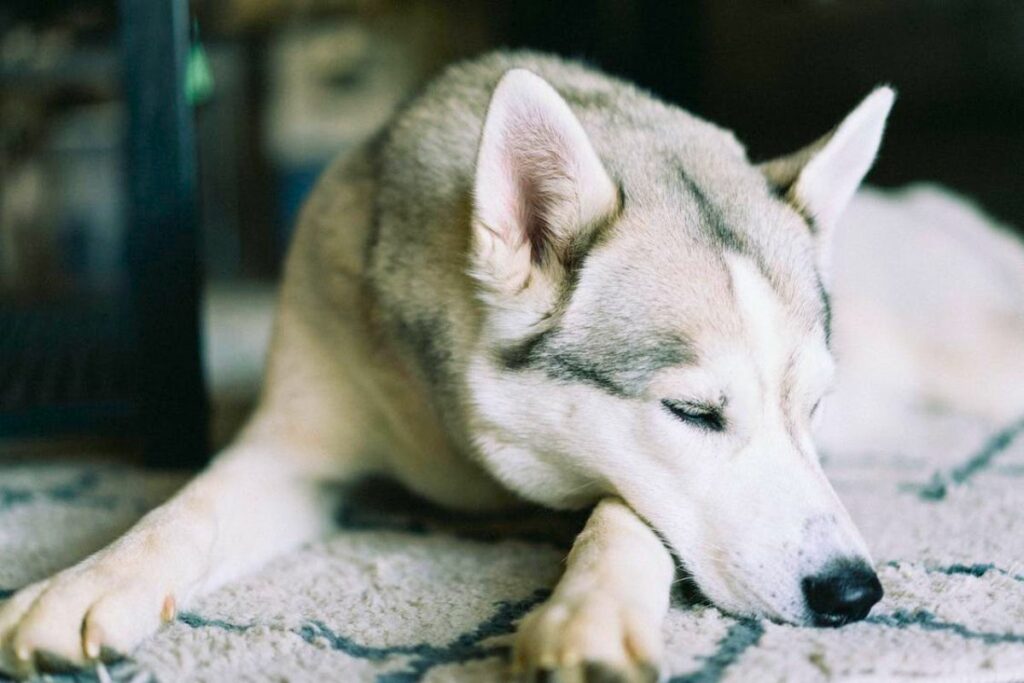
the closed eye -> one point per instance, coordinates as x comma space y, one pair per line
701, 415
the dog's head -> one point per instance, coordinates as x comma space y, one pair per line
656, 327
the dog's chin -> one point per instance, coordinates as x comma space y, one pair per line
700, 581
748, 604
742, 609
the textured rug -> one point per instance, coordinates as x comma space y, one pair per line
404, 592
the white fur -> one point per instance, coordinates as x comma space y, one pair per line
821, 179
929, 317
748, 509
828, 181
753, 485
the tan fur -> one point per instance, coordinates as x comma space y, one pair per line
386, 358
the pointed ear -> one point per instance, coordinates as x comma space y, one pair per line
539, 189
820, 180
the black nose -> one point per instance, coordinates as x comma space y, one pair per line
845, 591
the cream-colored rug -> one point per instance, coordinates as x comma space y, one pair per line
404, 592
407, 593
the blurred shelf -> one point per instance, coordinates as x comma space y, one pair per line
81, 67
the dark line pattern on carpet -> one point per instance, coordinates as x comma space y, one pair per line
940, 483
70, 491
977, 570
415, 660
465, 647
929, 622
123, 671
741, 636
193, 620
78, 490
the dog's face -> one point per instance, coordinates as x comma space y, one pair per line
665, 339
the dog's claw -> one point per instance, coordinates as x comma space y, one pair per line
169, 610
81, 616
93, 639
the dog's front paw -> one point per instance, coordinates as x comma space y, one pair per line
91, 611
585, 640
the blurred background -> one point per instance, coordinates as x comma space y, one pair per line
154, 154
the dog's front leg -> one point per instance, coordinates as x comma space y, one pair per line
603, 621
253, 502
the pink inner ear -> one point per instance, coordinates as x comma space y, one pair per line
540, 185
532, 215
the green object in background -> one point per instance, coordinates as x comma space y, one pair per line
198, 75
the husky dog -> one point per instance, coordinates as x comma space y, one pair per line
542, 284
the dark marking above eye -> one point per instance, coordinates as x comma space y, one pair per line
610, 359
701, 415
713, 218
826, 311
814, 408
522, 354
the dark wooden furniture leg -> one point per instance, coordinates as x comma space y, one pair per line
162, 245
